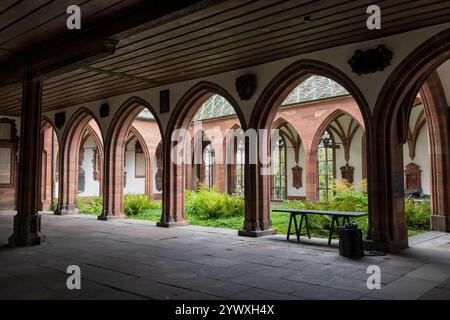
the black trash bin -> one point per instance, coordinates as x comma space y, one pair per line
350, 241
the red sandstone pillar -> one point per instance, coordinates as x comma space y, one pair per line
312, 174
387, 225
113, 182
219, 182
27, 222
257, 198
173, 193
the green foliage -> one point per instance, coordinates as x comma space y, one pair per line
93, 206
349, 201
149, 215
135, 204
418, 214
210, 204
54, 206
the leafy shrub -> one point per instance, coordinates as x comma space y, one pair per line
211, 204
350, 201
135, 204
54, 206
92, 206
418, 214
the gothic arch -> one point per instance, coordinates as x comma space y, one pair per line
116, 137
230, 150
100, 151
69, 157
46, 176
257, 220
181, 116
148, 159
345, 137
413, 75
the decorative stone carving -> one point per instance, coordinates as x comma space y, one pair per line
104, 110
246, 86
347, 173
370, 61
413, 177
164, 101
60, 119
297, 177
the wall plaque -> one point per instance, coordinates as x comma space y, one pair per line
164, 101
347, 173
5, 165
413, 177
246, 86
371, 60
60, 119
297, 177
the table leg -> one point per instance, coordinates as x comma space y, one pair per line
307, 226
297, 232
331, 229
289, 228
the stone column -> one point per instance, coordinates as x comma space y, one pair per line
113, 183
27, 222
257, 197
219, 178
312, 174
387, 225
173, 192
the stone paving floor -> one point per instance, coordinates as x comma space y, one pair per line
136, 260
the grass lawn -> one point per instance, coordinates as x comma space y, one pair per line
319, 225
280, 222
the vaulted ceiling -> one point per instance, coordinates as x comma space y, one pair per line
190, 42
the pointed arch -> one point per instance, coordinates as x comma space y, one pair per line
49, 146
413, 75
147, 157
69, 158
258, 210
181, 116
118, 131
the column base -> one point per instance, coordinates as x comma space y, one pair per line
27, 231
171, 224
65, 212
440, 223
110, 218
256, 233
385, 246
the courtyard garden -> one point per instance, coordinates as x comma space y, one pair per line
214, 209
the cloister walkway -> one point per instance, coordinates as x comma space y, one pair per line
136, 260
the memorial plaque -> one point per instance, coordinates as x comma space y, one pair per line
5, 165
5, 131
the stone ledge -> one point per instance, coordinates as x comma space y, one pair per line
256, 233
171, 224
65, 212
111, 218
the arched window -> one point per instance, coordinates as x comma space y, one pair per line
326, 164
279, 174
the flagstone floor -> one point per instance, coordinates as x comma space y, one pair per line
136, 260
